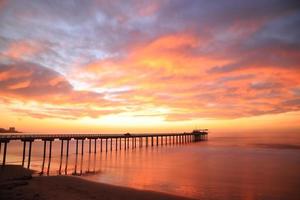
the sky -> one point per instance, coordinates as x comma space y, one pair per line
150, 66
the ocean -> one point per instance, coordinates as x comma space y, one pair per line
244, 166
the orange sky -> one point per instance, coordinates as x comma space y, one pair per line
149, 66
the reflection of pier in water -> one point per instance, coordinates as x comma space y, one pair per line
121, 141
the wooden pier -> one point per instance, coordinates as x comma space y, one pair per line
121, 141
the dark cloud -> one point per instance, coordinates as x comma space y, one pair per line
34, 81
265, 85
217, 15
280, 33
53, 94
295, 103
31, 80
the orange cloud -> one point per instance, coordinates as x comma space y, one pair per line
43, 92
21, 49
19, 85
169, 72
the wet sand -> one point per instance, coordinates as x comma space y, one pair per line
18, 183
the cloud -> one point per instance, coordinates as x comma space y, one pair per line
32, 81
54, 95
168, 73
22, 49
180, 60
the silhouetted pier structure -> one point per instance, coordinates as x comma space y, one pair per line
121, 141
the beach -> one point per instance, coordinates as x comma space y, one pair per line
18, 183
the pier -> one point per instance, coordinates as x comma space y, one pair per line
121, 142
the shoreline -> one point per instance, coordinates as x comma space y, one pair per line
18, 183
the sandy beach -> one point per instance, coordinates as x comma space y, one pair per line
18, 183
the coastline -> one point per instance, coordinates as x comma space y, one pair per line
18, 183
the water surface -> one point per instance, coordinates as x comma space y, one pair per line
243, 167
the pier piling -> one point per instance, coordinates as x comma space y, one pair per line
90, 144
44, 156
105, 144
101, 145
125, 143
116, 144
67, 157
29, 154
82, 153
111, 144
24, 149
76, 157
61, 155
4, 153
50, 154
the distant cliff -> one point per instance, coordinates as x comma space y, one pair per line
9, 130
